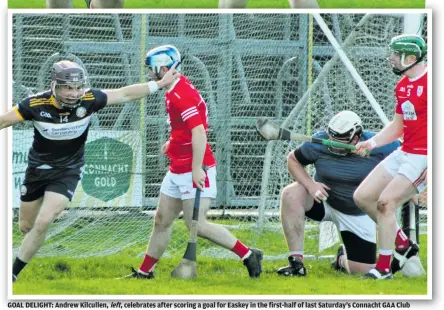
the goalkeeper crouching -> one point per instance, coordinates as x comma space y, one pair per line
329, 196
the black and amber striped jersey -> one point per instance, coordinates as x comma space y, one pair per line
59, 134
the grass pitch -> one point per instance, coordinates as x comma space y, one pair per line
97, 276
183, 4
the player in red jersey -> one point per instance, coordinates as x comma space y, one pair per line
403, 174
188, 150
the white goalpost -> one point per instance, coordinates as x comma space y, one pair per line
358, 79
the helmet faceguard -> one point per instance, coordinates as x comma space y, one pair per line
68, 83
405, 45
162, 56
343, 127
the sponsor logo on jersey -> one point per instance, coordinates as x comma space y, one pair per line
402, 89
408, 110
65, 131
45, 114
23, 190
80, 112
419, 91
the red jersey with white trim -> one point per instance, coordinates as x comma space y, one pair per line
411, 98
186, 109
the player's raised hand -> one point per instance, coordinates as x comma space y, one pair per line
171, 76
318, 191
199, 177
363, 148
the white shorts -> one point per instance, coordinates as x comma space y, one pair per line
180, 186
409, 165
360, 225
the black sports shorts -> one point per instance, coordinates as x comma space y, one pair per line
38, 181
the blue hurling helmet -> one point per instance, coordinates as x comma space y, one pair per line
162, 56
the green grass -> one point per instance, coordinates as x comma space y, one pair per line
87, 237
97, 276
136, 4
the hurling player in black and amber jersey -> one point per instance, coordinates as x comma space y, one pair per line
61, 118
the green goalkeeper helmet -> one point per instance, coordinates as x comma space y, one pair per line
406, 45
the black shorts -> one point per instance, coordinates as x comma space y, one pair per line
39, 181
358, 249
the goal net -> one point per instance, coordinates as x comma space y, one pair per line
246, 66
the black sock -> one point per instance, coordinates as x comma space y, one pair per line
18, 266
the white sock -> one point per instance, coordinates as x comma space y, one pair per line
341, 261
145, 273
385, 252
294, 253
246, 255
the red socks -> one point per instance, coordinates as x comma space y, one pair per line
401, 241
385, 257
240, 249
148, 264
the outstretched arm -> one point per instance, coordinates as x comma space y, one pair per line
141, 90
10, 118
388, 134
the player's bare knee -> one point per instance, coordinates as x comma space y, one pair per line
25, 227
386, 205
381, 206
290, 199
286, 192
160, 222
